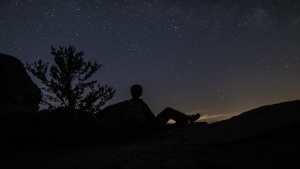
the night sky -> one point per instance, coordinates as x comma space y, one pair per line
217, 58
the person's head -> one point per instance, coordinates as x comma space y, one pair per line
136, 91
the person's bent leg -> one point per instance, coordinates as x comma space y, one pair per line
169, 113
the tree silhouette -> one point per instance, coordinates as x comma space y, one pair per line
68, 83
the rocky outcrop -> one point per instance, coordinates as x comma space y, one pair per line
17, 90
119, 123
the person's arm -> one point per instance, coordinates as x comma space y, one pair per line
147, 111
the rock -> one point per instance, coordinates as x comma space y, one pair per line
48, 128
119, 123
71, 126
19, 130
17, 90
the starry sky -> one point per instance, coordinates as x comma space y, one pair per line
218, 58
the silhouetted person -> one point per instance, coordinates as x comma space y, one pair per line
158, 122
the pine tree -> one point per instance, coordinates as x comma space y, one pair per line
68, 83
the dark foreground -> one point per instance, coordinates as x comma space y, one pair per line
267, 137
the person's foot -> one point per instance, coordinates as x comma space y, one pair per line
194, 117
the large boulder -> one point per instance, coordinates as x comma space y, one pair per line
119, 123
17, 90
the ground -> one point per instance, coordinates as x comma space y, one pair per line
273, 149
266, 137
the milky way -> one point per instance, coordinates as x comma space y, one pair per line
218, 58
